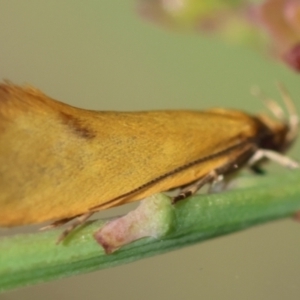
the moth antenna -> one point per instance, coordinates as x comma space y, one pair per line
272, 105
293, 118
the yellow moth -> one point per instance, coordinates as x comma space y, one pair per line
58, 162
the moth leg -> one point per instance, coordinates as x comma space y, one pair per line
217, 185
58, 223
273, 156
79, 221
194, 187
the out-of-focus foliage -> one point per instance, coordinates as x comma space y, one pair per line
272, 26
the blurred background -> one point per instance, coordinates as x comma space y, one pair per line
102, 55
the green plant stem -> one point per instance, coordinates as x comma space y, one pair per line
31, 258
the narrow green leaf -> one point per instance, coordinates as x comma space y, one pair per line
31, 258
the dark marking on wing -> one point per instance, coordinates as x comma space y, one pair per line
76, 126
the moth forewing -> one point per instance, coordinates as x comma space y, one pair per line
58, 162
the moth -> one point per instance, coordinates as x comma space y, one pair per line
61, 163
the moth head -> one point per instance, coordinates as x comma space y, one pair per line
282, 130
